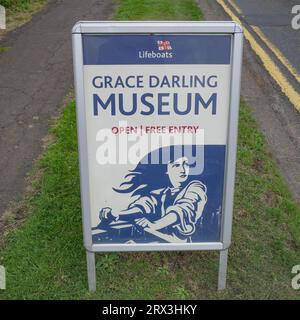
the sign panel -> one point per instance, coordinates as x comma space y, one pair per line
157, 134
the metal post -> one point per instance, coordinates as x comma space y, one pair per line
91, 270
222, 269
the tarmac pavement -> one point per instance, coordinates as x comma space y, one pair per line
35, 76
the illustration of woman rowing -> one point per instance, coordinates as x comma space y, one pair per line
167, 199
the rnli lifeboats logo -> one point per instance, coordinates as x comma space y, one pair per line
164, 45
164, 51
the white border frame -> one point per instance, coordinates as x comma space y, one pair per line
176, 27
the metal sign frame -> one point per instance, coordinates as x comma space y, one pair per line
172, 28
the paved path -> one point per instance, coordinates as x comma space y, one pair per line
276, 115
35, 75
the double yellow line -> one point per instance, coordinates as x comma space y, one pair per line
267, 61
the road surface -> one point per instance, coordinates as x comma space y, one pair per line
270, 76
274, 18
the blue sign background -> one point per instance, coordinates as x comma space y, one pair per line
124, 49
207, 227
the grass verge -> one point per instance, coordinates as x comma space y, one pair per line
19, 12
45, 258
158, 10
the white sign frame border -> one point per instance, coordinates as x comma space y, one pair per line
159, 27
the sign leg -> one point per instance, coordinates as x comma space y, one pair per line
91, 270
222, 269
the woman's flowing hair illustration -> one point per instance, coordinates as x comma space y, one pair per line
148, 176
